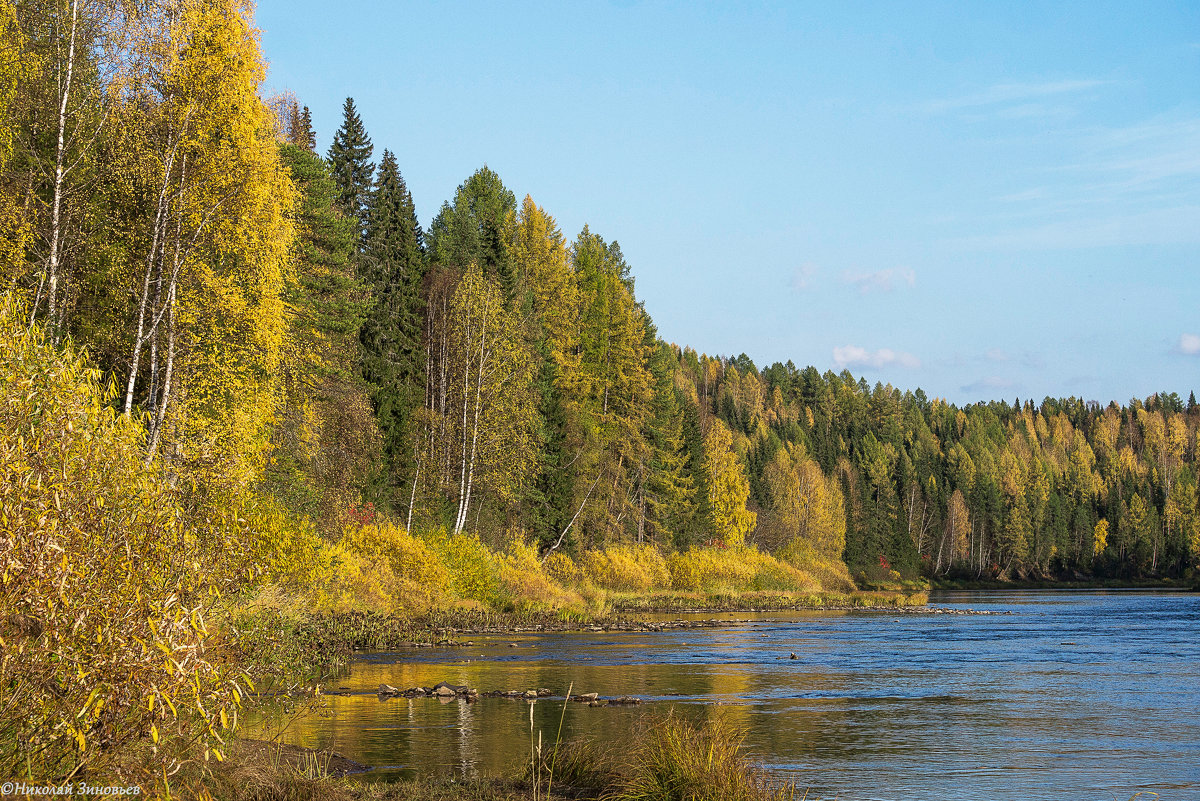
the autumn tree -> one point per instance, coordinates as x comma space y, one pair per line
72, 49
479, 433
15, 68
728, 488
547, 296
611, 394
809, 506
210, 320
958, 530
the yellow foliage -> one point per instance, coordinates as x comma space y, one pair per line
626, 568
471, 565
728, 487
561, 568
108, 576
14, 227
237, 200
829, 571
808, 504
528, 584
732, 570
1100, 537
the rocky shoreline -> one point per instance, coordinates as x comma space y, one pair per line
444, 691
447, 634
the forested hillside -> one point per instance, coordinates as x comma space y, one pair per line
284, 325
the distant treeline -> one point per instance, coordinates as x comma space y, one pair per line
283, 322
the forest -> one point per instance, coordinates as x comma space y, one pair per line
235, 366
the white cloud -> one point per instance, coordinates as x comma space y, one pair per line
1189, 344
851, 355
881, 280
1128, 185
996, 355
1013, 93
802, 277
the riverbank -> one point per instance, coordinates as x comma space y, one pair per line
303, 647
1192, 584
666, 757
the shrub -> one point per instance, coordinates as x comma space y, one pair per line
109, 572
626, 568
562, 568
527, 584
832, 574
470, 564
735, 570
673, 759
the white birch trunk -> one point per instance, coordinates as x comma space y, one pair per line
52, 259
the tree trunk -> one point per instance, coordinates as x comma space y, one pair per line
53, 257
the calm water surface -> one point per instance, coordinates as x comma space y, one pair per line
1075, 695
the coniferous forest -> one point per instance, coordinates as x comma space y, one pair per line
233, 362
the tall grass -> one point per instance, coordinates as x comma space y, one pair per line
671, 759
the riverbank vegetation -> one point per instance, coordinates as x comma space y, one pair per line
670, 757
246, 393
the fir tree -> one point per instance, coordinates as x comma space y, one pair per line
393, 266
350, 161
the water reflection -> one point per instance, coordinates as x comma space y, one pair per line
1079, 695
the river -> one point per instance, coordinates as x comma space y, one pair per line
1071, 695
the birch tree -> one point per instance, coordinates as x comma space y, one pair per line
481, 424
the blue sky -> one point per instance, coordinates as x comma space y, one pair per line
984, 200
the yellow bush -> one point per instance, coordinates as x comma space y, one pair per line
830, 573
471, 565
561, 568
527, 584
733, 570
358, 581
626, 568
374, 566
109, 572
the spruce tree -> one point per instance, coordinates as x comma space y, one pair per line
393, 266
304, 135
350, 162
474, 228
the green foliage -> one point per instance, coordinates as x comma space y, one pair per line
393, 360
350, 162
325, 440
475, 228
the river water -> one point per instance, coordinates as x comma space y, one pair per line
1073, 695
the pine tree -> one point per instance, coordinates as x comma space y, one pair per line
669, 488
350, 161
393, 266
